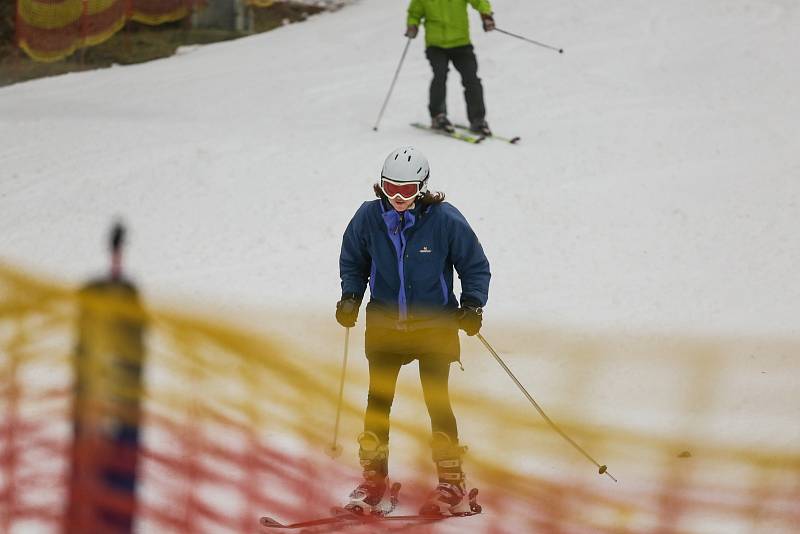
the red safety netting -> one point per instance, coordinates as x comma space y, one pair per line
205, 427
50, 30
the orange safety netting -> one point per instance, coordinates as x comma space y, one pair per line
161, 11
49, 30
260, 3
231, 425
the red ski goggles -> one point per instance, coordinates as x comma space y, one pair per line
404, 190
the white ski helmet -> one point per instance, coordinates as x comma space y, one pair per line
407, 164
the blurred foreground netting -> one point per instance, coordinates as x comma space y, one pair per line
231, 425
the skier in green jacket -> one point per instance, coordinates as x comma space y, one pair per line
447, 40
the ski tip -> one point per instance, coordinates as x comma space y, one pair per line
269, 522
515, 140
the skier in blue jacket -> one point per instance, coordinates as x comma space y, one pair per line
405, 246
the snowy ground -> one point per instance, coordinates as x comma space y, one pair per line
656, 185
655, 190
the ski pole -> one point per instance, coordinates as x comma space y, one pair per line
391, 87
602, 468
335, 450
559, 50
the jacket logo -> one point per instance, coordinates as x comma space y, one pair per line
425, 250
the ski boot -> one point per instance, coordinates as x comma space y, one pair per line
441, 122
450, 496
480, 126
371, 496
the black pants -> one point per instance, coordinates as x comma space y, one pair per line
465, 62
433, 373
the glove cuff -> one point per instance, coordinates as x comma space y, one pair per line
470, 302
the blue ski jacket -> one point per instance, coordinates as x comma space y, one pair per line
408, 260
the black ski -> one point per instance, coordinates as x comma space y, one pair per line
341, 516
473, 139
512, 140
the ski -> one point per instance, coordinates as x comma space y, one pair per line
269, 522
455, 135
513, 140
342, 516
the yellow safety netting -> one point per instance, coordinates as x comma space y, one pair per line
49, 30
700, 432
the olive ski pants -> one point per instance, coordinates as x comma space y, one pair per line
433, 373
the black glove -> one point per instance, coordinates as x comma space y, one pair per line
411, 31
488, 22
470, 319
347, 310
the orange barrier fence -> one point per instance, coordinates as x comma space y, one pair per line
231, 425
50, 30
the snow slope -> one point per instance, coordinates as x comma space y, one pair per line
655, 190
656, 186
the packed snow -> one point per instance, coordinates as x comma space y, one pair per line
655, 192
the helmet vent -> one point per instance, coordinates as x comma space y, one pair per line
419, 170
409, 159
396, 156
